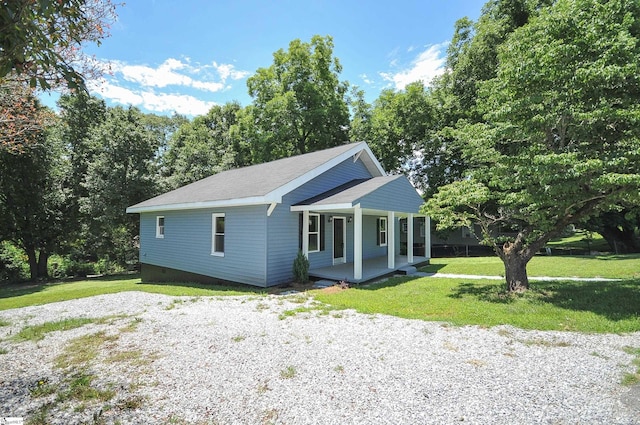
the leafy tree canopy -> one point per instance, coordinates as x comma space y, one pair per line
560, 138
41, 41
299, 103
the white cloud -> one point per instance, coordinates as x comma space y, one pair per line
427, 65
157, 102
148, 86
366, 79
166, 74
226, 70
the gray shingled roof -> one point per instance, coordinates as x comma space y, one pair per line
248, 182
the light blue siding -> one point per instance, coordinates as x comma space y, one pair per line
260, 249
187, 243
397, 195
282, 225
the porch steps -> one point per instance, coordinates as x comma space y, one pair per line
408, 270
324, 283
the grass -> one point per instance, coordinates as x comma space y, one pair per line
612, 307
580, 241
37, 332
288, 373
16, 296
608, 266
634, 377
603, 307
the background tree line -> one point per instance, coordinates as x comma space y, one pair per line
67, 177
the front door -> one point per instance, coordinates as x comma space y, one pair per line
339, 237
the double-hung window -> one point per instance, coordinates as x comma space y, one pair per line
382, 231
217, 236
314, 232
160, 227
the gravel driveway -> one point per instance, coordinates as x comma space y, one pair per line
288, 360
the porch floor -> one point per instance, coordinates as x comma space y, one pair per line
371, 268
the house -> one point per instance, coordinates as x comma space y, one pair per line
247, 225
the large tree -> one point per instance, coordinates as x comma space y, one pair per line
299, 102
31, 197
21, 116
401, 129
123, 172
560, 140
41, 41
202, 147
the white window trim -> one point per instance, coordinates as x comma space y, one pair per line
316, 233
385, 231
160, 229
214, 216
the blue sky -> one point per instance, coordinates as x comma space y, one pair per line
185, 56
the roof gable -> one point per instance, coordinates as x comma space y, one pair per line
393, 193
259, 184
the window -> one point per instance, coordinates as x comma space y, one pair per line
217, 237
159, 227
314, 232
322, 225
382, 231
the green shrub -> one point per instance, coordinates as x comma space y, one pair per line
60, 267
301, 268
104, 266
14, 265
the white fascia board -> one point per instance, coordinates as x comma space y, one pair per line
375, 164
256, 200
328, 207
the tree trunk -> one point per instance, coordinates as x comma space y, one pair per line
515, 261
43, 260
621, 241
515, 269
33, 263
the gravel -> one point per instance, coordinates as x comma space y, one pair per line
288, 360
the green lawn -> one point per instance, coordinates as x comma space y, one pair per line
608, 307
580, 241
566, 305
609, 266
15, 296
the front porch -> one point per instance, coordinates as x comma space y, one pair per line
372, 268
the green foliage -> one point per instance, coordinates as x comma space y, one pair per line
61, 267
40, 40
14, 266
561, 138
299, 103
122, 173
400, 130
203, 147
301, 268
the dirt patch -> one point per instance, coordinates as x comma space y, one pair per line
333, 289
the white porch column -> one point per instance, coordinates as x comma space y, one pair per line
410, 238
391, 240
427, 236
305, 233
357, 243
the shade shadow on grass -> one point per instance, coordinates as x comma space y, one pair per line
491, 292
25, 288
612, 300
